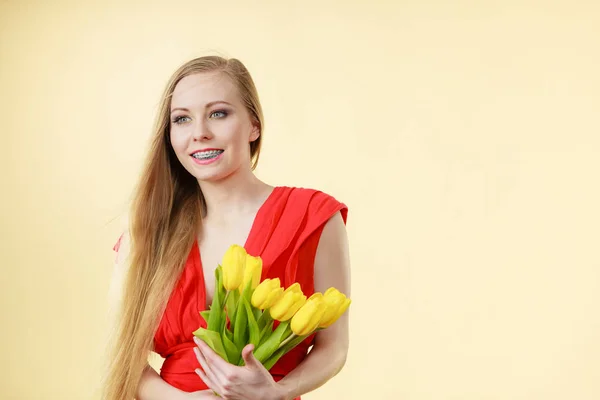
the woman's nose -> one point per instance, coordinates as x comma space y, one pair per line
202, 132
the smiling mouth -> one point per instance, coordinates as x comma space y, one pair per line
207, 155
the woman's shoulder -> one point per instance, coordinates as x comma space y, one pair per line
309, 192
312, 201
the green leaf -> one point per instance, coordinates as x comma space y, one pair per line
228, 333
213, 340
205, 314
216, 314
216, 309
240, 331
268, 364
257, 313
264, 319
252, 325
233, 353
266, 332
245, 292
264, 351
232, 303
219, 284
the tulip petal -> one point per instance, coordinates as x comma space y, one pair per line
307, 318
336, 304
287, 305
234, 262
266, 293
252, 271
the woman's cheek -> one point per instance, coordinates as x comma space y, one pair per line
178, 142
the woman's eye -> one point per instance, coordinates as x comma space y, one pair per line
215, 114
178, 120
219, 114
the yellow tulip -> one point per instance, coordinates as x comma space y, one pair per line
307, 319
288, 304
252, 272
234, 262
336, 303
267, 293
295, 287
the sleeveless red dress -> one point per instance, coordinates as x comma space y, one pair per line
285, 234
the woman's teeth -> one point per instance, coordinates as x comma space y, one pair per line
205, 155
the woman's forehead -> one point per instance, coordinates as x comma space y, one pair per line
202, 88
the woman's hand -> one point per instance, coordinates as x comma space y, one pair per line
249, 382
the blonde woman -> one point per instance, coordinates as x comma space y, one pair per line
197, 195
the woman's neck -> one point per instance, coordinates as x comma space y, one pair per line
226, 200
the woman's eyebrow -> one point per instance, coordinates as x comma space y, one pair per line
212, 103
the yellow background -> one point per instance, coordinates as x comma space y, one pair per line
463, 138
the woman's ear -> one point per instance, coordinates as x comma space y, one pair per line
255, 133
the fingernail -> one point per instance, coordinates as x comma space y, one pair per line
196, 340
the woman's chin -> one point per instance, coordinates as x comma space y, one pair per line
210, 176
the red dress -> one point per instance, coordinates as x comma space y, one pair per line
285, 234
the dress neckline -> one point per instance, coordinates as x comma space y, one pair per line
260, 214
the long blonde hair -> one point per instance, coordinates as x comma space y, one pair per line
165, 217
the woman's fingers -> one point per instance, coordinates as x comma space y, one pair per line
208, 393
250, 360
221, 368
208, 376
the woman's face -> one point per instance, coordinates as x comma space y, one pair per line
210, 127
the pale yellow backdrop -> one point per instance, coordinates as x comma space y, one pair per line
463, 137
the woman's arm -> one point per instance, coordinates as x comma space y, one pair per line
153, 387
328, 355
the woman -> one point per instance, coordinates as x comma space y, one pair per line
197, 196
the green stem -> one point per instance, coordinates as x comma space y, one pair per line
287, 340
225, 299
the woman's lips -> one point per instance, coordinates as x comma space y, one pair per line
208, 161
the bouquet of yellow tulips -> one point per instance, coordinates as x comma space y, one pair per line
244, 309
